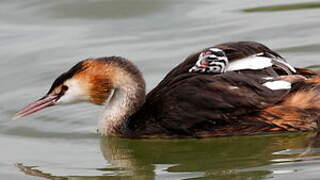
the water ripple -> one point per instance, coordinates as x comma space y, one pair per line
288, 7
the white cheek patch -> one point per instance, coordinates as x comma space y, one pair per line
252, 62
68, 98
278, 85
75, 93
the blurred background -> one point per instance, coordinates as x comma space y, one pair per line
40, 39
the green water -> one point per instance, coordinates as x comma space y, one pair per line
253, 157
39, 39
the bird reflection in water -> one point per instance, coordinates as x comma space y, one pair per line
183, 159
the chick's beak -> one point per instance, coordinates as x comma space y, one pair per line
46, 101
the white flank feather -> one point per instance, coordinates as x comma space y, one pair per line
277, 85
251, 62
288, 65
268, 78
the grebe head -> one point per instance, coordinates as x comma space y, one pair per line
94, 81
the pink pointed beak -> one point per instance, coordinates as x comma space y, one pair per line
46, 101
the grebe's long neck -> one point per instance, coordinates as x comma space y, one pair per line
126, 98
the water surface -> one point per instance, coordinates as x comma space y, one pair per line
39, 39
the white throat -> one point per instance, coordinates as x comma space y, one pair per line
124, 100
115, 110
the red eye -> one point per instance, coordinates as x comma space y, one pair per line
64, 88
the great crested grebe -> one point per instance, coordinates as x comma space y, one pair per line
229, 89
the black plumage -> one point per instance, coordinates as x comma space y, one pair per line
200, 104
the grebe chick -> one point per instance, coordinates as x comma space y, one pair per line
229, 89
